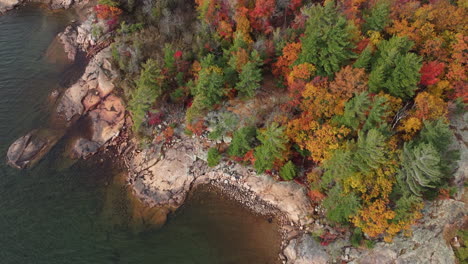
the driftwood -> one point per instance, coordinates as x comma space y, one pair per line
98, 47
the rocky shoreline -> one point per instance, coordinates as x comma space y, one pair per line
162, 175
165, 177
7, 5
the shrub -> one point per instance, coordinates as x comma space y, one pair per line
213, 157
356, 237
226, 123
288, 171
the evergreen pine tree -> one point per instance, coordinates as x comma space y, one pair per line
420, 168
210, 82
378, 17
242, 141
364, 59
273, 145
288, 171
370, 152
355, 111
149, 87
327, 39
250, 77
395, 70
340, 207
377, 114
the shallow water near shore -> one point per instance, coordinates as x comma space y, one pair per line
82, 213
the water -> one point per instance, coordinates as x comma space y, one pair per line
57, 213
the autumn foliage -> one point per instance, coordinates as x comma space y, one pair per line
361, 90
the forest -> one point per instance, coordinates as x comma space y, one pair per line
350, 98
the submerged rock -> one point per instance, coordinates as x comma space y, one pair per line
84, 147
29, 149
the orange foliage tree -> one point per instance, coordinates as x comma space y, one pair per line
349, 81
290, 54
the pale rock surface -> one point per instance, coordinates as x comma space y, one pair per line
6, 5
305, 250
107, 119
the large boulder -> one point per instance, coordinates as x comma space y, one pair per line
165, 181
29, 149
6, 5
107, 119
96, 81
305, 250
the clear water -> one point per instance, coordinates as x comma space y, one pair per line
80, 213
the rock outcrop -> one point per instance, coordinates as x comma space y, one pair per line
97, 80
305, 250
91, 97
6, 5
164, 178
77, 38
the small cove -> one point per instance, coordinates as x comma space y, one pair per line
65, 212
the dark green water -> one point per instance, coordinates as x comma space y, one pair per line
78, 214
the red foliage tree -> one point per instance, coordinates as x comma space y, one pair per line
430, 71
260, 16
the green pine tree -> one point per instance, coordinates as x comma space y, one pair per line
249, 79
210, 82
340, 207
378, 17
364, 59
149, 87
242, 141
338, 166
420, 168
327, 42
438, 134
213, 157
355, 111
273, 144
395, 70
371, 151
377, 114
288, 171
